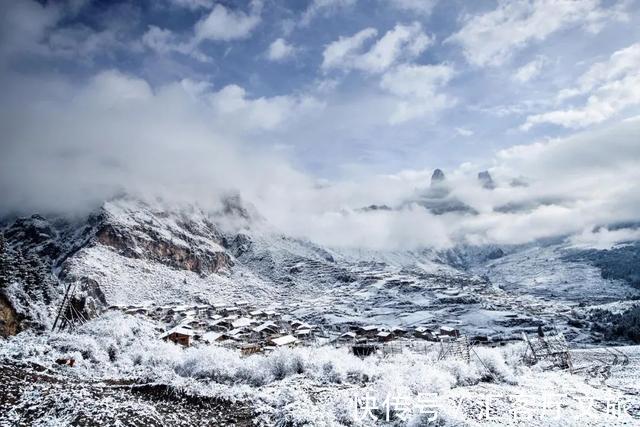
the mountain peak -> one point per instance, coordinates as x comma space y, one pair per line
437, 177
486, 181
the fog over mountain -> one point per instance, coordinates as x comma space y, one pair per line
76, 144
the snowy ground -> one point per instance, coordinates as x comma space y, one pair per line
123, 368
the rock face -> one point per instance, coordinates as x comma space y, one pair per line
437, 177
486, 181
9, 321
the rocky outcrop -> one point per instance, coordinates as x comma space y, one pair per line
149, 244
9, 320
437, 177
486, 181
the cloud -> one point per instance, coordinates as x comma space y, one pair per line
182, 140
192, 4
612, 86
464, 132
418, 87
232, 105
188, 141
220, 24
323, 7
423, 7
403, 42
225, 24
604, 238
491, 38
530, 70
280, 50
341, 51
29, 29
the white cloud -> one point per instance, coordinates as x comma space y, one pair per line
232, 105
423, 7
342, 51
403, 42
604, 238
492, 37
220, 24
224, 24
325, 7
163, 42
611, 86
464, 132
192, 4
280, 50
530, 70
418, 88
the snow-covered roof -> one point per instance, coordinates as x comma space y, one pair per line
383, 334
236, 331
242, 322
266, 325
212, 336
285, 340
180, 330
348, 335
369, 328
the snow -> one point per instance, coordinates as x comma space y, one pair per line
284, 340
319, 385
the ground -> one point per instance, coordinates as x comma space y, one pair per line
37, 395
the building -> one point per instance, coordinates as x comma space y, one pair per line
181, 334
266, 329
384, 336
448, 330
369, 331
284, 341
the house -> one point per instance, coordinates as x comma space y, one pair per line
180, 335
267, 328
347, 337
284, 341
257, 314
228, 311
399, 331
447, 330
213, 337
368, 330
303, 333
221, 324
384, 336
270, 314
424, 333
296, 323
237, 333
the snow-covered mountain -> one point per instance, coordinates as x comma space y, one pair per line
133, 252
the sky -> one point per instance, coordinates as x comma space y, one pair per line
314, 108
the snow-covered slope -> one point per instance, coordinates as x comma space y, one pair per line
134, 252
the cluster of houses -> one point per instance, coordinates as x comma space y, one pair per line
368, 333
239, 325
243, 326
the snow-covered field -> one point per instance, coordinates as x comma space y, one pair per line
117, 356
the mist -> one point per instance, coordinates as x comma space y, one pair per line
68, 146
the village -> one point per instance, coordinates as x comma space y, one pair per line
251, 330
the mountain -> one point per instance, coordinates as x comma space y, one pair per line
132, 252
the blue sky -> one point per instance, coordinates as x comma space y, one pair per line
493, 80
